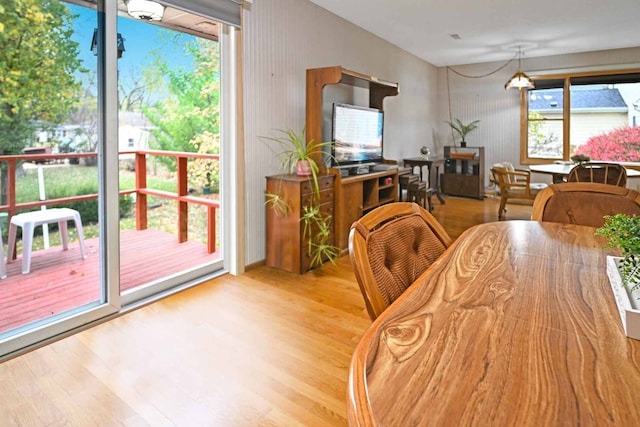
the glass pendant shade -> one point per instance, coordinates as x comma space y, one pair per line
521, 81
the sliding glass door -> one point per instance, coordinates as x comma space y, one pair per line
117, 121
54, 167
169, 145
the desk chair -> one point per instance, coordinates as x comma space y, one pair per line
604, 173
514, 184
584, 203
390, 247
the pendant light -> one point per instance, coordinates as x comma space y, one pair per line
145, 10
520, 79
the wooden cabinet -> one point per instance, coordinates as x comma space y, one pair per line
355, 195
463, 176
286, 244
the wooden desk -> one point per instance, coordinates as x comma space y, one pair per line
420, 162
560, 171
515, 325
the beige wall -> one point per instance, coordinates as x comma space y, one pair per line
281, 39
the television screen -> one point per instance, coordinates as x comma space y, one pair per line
357, 135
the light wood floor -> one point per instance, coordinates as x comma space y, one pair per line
265, 348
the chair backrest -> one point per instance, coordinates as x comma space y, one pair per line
584, 203
604, 173
390, 247
498, 172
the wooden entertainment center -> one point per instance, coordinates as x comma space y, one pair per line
344, 194
354, 194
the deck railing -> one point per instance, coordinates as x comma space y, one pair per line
141, 191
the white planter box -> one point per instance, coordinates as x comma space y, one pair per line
627, 304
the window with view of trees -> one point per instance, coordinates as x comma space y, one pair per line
596, 115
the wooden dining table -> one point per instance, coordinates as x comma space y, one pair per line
514, 325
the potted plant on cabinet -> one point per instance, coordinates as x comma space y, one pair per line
297, 154
462, 129
623, 232
299, 157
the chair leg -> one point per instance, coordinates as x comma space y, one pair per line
64, 234
429, 200
3, 268
27, 245
11, 244
78, 222
502, 210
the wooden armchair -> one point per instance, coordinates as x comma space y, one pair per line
584, 203
604, 173
514, 184
390, 247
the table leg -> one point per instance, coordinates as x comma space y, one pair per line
436, 189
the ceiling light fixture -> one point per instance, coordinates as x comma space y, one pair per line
145, 10
520, 79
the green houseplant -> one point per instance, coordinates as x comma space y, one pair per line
299, 156
623, 232
462, 129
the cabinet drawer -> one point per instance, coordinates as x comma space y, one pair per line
325, 196
325, 182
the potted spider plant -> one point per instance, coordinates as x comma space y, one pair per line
298, 156
463, 129
623, 232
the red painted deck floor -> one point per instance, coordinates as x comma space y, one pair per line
61, 280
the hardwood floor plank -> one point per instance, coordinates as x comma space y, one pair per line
266, 348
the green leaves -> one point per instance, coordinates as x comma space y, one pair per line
294, 148
461, 128
623, 232
39, 68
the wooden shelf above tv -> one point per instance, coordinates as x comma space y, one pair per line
318, 78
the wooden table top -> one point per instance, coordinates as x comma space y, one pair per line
514, 325
562, 169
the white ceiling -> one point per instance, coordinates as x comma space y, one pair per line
491, 30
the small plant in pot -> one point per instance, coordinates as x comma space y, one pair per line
462, 129
623, 232
297, 154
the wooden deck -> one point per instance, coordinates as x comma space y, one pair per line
61, 280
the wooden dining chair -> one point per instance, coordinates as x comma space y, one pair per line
390, 247
514, 185
604, 173
584, 203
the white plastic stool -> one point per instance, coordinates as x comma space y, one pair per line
30, 220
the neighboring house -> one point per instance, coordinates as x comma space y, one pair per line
134, 132
53, 135
593, 111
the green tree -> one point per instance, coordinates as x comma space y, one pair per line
38, 71
188, 118
38, 66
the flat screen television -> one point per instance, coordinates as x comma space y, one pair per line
357, 135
